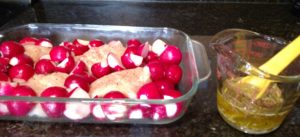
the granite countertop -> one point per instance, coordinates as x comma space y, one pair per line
200, 20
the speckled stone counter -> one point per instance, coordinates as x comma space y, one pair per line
198, 20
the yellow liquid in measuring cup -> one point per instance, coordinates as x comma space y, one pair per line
237, 106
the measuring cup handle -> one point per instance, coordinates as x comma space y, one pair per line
201, 60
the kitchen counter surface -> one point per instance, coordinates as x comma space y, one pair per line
198, 20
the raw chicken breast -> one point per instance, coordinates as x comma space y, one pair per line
99, 54
39, 82
126, 81
36, 52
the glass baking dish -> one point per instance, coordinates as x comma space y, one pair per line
194, 64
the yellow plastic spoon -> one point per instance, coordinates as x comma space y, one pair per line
275, 65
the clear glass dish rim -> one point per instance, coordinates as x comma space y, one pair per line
186, 96
256, 71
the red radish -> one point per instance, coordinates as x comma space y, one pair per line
79, 50
175, 108
54, 109
10, 49
66, 66
97, 111
77, 110
156, 70
158, 47
4, 64
114, 111
44, 42
149, 91
74, 81
158, 112
21, 108
88, 77
79, 68
59, 53
139, 112
114, 63
173, 73
44, 66
67, 44
164, 85
22, 71
133, 43
6, 89
114, 95
3, 109
96, 43
37, 111
151, 57
171, 55
21, 59
100, 69
3, 77
80, 42
130, 60
143, 50
28, 41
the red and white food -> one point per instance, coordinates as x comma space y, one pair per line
86, 69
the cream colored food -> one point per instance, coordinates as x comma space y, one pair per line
99, 54
40, 82
127, 81
36, 52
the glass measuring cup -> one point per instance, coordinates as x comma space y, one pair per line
239, 54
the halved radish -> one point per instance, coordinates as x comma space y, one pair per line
21, 59
22, 71
172, 109
44, 66
80, 42
74, 81
114, 63
44, 42
54, 109
149, 91
10, 49
158, 47
133, 43
66, 66
130, 60
96, 43
171, 55
28, 41
77, 110
114, 111
21, 108
80, 68
139, 112
143, 50
59, 53
100, 69
6, 89
97, 111
156, 70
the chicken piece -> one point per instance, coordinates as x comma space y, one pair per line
36, 52
39, 82
126, 81
99, 54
